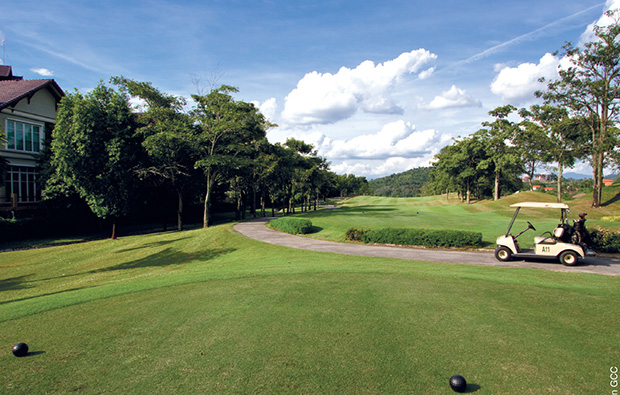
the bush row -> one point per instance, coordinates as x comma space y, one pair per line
292, 225
417, 237
605, 240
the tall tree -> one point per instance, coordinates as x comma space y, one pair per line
94, 151
533, 143
167, 137
590, 88
502, 158
227, 130
563, 140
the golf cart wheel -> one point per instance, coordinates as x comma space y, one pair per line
569, 258
503, 254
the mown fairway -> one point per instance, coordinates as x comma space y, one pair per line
209, 311
488, 217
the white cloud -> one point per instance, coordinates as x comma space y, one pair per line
518, 84
372, 169
327, 98
394, 139
42, 72
267, 108
454, 97
604, 20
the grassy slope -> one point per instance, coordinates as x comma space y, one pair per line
209, 311
489, 217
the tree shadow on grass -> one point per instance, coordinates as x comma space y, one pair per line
13, 283
47, 294
168, 257
612, 200
154, 244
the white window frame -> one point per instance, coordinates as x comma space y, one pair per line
22, 122
22, 180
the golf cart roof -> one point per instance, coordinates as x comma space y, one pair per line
540, 205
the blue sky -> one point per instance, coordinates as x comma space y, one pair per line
378, 86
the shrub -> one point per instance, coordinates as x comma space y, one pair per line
605, 240
292, 225
422, 237
354, 234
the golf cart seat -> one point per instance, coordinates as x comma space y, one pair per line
553, 238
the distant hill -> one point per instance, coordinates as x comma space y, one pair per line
406, 184
575, 176
578, 176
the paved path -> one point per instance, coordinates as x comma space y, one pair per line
257, 230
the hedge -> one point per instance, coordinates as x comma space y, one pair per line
605, 240
416, 237
292, 225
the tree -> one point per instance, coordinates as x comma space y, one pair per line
459, 166
168, 138
502, 158
590, 89
94, 151
227, 130
532, 141
563, 140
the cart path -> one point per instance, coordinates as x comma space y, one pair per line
256, 229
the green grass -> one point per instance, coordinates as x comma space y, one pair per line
489, 217
209, 311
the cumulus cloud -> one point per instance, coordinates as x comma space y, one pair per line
267, 108
375, 169
454, 97
43, 72
395, 139
327, 98
518, 84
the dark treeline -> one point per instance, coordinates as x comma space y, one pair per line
165, 158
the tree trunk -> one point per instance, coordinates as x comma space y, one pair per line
113, 237
468, 193
560, 171
597, 178
205, 218
496, 194
253, 201
180, 211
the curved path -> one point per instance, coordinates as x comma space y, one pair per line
256, 229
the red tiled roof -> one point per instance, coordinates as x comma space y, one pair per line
12, 91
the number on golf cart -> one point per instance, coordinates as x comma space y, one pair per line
546, 249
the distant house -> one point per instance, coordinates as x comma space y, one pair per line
27, 111
542, 177
608, 182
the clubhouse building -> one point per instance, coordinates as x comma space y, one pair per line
27, 114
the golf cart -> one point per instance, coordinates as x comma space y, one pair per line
566, 243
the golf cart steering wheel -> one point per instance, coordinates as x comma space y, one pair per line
529, 224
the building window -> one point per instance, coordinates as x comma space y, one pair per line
22, 182
23, 136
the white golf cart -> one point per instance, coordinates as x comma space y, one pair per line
566, 243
